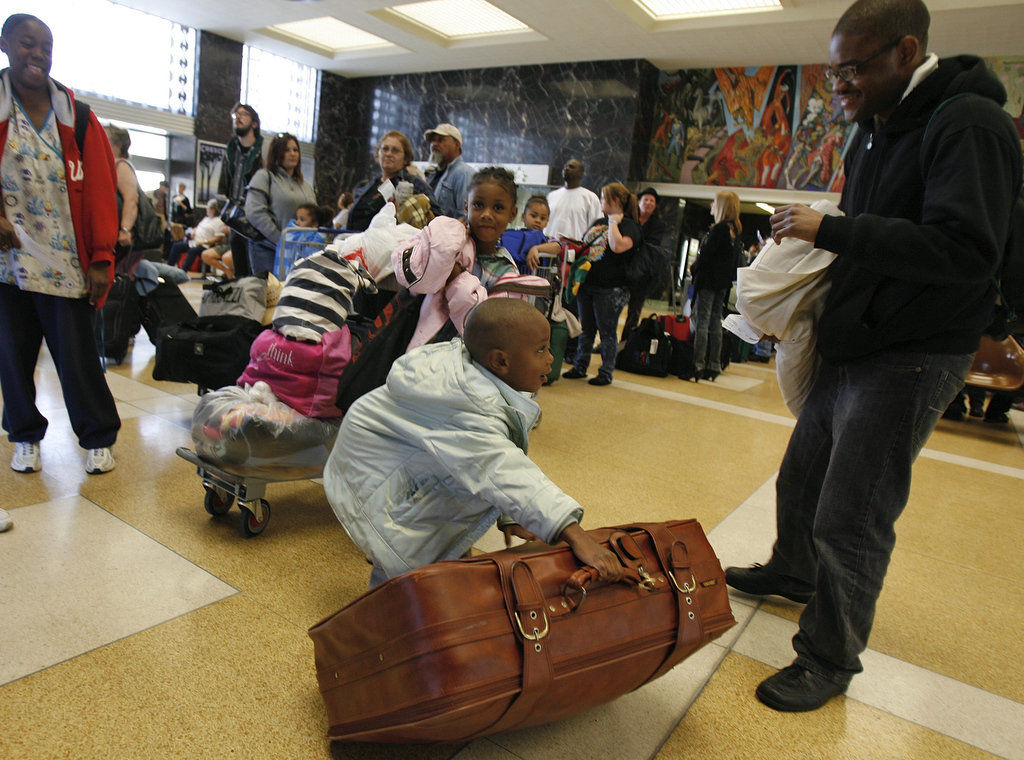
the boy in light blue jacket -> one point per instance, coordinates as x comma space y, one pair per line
424, 465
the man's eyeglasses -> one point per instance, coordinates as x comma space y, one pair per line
847, 71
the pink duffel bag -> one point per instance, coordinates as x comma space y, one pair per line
302, 375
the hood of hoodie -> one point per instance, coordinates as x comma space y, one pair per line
954, 76
441, 380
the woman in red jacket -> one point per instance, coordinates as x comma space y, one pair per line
58, 228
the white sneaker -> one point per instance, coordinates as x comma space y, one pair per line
26, 458
99, 461
5, 520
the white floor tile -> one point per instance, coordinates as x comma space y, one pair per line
645, 716
966, 713
485, 749
73, 578
951, 707
747, 534
733, 382
126, 389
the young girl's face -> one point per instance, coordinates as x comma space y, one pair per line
536, 216
303, 218
490, 209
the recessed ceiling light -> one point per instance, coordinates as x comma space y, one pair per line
670, 9
329, 34
456, 19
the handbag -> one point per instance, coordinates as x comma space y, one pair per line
233, 216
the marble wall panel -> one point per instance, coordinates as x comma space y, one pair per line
525, 115
218, 82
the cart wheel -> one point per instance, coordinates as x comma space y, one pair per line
251, 525
216, 501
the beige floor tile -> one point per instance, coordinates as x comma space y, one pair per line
955, 620
73, 577
303, 566
228, 680
727, 722
965, 517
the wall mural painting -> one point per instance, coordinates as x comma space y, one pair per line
768, 126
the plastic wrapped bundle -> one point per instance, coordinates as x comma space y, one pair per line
247, 431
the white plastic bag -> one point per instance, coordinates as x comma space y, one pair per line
373, 247
247, 431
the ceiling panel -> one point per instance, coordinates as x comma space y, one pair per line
580, 30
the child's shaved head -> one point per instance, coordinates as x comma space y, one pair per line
511, 339
494, 323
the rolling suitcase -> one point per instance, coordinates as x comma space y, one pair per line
462, 649
118, 321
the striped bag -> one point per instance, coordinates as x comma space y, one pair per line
318, 295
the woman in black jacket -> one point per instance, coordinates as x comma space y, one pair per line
713, 273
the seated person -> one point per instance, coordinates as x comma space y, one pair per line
292, 245
535, 219
426, 463
209, 232
219, 259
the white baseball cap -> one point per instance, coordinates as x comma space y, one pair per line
444, 129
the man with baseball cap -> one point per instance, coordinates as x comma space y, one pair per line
450, 180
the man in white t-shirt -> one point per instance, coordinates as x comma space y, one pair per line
573, 208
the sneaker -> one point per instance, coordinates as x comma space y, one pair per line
26, 458
5, 520
99, 461
574, 374
600, 380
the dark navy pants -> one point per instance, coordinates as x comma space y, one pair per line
67, 324
843, 483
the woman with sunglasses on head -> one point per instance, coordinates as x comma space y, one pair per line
272, 197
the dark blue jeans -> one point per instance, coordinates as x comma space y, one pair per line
261, 256
707, 339
599, 310
844, 481
66, 323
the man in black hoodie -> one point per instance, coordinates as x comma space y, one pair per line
931, 176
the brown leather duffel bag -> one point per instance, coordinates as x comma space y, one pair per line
456, 650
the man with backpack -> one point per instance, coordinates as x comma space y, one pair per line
243, 158
931, 176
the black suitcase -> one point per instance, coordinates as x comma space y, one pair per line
165, 305
118, 320
211, 353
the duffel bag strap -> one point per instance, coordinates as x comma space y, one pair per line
675, 559
531, 626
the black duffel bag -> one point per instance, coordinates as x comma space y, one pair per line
211, 353
648, 350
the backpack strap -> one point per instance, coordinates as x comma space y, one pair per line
82, 112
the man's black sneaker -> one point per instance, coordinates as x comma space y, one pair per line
796, 689
759, 580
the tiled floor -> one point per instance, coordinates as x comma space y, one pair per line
134, 625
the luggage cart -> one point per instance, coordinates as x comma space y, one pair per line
299, 242
224, 487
